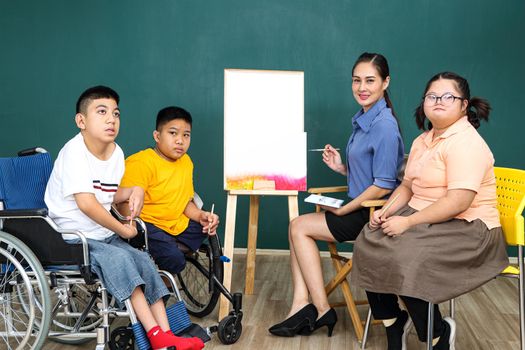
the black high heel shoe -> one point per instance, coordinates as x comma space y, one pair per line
302, 319
329, 319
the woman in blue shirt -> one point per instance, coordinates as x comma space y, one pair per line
373, 156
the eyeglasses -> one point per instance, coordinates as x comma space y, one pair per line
446, 99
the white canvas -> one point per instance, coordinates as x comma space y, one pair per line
264, 135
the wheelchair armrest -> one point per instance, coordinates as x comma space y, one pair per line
117, 214
141, 239
85, 268
22, 213
332, 189
43, 236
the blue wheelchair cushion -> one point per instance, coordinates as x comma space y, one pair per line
23, 181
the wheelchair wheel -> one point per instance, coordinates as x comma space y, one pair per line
122, 338
194, 280
69, 301
229, 330
24, 296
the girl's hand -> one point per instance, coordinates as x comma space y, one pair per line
395, 225
376, 220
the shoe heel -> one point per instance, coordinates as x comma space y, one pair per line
329, 320
330, 329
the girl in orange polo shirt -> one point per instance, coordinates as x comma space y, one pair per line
441, 237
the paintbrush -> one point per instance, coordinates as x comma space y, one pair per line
320, 149
386, 207
211, 214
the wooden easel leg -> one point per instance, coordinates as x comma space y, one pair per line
229, 237
293, 207
252, 244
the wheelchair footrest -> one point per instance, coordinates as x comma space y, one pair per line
178, 317
141, 339
194, 330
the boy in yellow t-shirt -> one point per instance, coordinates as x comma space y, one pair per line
166, 175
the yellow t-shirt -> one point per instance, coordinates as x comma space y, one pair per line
168, 187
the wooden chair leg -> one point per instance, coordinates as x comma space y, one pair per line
352, 310
340, 279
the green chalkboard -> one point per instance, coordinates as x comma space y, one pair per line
167, 52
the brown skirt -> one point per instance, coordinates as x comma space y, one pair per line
432, 262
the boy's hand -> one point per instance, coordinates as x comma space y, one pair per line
209, 222
136, 202
128, 231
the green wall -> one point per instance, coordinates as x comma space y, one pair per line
164, 52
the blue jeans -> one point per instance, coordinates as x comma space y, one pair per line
122, 268
163, 246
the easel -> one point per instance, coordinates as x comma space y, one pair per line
229, 236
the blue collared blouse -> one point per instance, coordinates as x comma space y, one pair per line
375, 150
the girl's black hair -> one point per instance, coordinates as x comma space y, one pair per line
481, 106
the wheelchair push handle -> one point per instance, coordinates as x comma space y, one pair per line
31, 151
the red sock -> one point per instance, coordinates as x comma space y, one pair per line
196, 341
159, 339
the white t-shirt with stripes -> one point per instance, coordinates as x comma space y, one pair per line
77, 170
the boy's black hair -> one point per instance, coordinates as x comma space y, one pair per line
170, 113
94, 93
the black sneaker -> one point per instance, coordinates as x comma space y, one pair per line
397, 333
447, 340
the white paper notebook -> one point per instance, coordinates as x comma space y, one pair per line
324, 200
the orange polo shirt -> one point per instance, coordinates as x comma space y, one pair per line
457, 159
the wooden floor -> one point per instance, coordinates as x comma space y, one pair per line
486, 318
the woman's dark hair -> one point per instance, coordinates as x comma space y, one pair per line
381, 64
481, 106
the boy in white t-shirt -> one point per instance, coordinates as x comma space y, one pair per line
83, 185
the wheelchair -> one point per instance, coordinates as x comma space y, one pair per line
200, 284
48, 290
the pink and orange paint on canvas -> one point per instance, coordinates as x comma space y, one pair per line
282, 182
